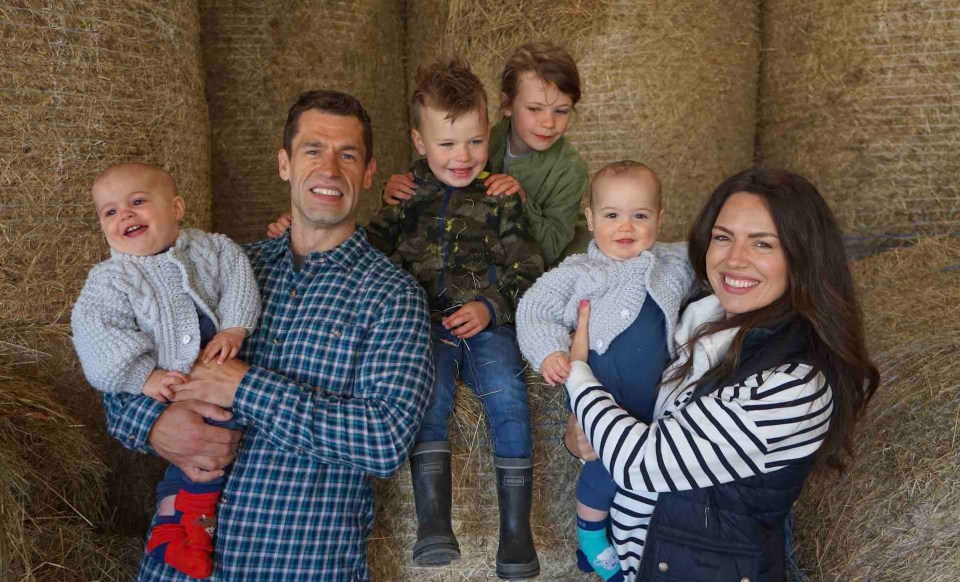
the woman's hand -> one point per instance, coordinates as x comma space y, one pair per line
576, 441
399, 187
580, 347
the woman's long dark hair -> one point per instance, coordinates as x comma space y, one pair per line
820, 290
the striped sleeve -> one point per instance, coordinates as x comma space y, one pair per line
753, 427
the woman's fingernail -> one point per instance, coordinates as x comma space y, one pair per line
584, 303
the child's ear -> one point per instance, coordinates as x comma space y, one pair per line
418, 142
179, 207
505, 105
589, 214
661, 218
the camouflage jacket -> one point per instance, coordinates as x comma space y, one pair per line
460, 244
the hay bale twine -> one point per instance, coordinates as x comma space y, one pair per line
261, 54
895, 514
861, 98
52, 511
84, 85
670, 84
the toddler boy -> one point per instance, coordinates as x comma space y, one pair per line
164, 297
635, 287
474, 256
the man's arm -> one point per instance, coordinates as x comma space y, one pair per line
372, 430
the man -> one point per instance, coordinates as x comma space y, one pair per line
330, 387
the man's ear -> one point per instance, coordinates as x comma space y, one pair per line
368, 173
418, 142
283, 163
506, 105
589, 214
179, 207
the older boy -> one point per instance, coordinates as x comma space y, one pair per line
474, 256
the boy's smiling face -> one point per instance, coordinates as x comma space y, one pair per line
540, 114
138, 208
456, 150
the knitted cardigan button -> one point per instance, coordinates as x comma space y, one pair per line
625, 313
185, 339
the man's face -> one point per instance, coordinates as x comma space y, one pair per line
456, 150
327, 171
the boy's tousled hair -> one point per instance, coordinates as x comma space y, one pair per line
548, 61
622, 168
447, 84
333, 102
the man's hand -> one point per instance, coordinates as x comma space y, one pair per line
399, 187
555, 368
226, 344
213, 383
200, 450
469, 320
504, 185
160, 383
576, 441
282, 225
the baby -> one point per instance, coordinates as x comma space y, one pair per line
635, 287
164, 297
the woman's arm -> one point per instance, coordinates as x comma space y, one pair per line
746, 429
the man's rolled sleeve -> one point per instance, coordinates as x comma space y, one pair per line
130, 419
371, 430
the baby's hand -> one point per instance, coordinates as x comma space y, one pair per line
276, 229
159, 385
226, 343
504, 185
555, 368
399, 187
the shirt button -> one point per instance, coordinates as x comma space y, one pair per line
276, 341
185, 339
293, 293
745, 579
663, 566
625, 313
337, 333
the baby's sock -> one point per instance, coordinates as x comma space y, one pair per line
183, 540
596, 553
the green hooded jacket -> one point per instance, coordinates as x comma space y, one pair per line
555, 182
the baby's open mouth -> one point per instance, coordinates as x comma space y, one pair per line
135, 230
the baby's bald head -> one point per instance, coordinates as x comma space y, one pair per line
131, 176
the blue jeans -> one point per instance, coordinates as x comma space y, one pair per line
490, 363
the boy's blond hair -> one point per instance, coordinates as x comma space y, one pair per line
622, 168
447, 84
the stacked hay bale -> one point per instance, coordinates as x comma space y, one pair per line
51, 483
259, 56
895, 514
670, 84
861, 98
84, 85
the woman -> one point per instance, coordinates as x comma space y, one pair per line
772, 373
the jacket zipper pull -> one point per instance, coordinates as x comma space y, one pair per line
706, 516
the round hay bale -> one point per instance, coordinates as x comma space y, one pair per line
861, 98
84, 85
669, 84
260, 55
52, 508
895, 513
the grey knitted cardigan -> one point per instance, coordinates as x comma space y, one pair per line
136, 314
616, 289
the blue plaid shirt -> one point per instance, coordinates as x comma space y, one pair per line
340, 375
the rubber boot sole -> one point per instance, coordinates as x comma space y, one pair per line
518, 571
435, 551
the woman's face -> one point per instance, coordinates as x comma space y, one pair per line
746, 264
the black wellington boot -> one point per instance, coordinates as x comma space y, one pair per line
516, 556
430, 474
